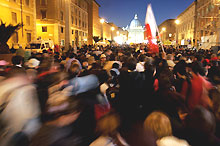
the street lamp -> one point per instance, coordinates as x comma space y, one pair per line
102, 22
163, 29
177, 22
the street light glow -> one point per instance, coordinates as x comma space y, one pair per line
112, 28
102, 20
177, 22
163, 29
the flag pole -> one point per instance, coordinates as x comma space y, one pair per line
160, 39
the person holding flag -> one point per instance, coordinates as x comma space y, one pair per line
151, 31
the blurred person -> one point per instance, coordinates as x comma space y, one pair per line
69, 61
18, 102
160, 124
17, 61
102, 60
58, 128
74, 70
3, 66
170, 62
112, 133
20, 51
140, 64
196, 93
200, 128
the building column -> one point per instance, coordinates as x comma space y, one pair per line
67, 24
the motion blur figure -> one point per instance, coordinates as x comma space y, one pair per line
19, 104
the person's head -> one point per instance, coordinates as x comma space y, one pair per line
33, 63
197, 68
108, 125
17, 60
180, 68
150, 67
74, 70
159, 123
169, 57
142, 58
131, 63
103, 57
115, 65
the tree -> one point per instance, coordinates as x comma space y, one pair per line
5, 34
96, 39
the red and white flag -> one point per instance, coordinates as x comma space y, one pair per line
150, 33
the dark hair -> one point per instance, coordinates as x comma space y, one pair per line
142, 58
115, 65
131, 63
197, 68
17, 60
180, 67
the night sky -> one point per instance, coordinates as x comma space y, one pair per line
121, 12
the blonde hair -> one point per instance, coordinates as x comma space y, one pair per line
159, 123
108, 124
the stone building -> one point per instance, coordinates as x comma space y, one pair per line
208, 23
135, 31
186, 28
19, 11
63, 21
167, 32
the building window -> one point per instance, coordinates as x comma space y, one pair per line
76, 21
43, 14
15, 38
27, 2
28, 20
43, 2
79, 23
61, 29
62, 42
14, 17
75, 11
44, 28
72, 19
61, 15
72, 31
28, 37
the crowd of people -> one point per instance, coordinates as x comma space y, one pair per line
111, 96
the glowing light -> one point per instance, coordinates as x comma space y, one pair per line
112, 28
177, 22
163, 29
102, 20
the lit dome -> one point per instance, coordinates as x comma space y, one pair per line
135, 23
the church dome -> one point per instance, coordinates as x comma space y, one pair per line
135, 23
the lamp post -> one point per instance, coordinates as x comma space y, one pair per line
102, 21
177, 23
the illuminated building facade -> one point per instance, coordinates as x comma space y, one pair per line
19, 11
135, 31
